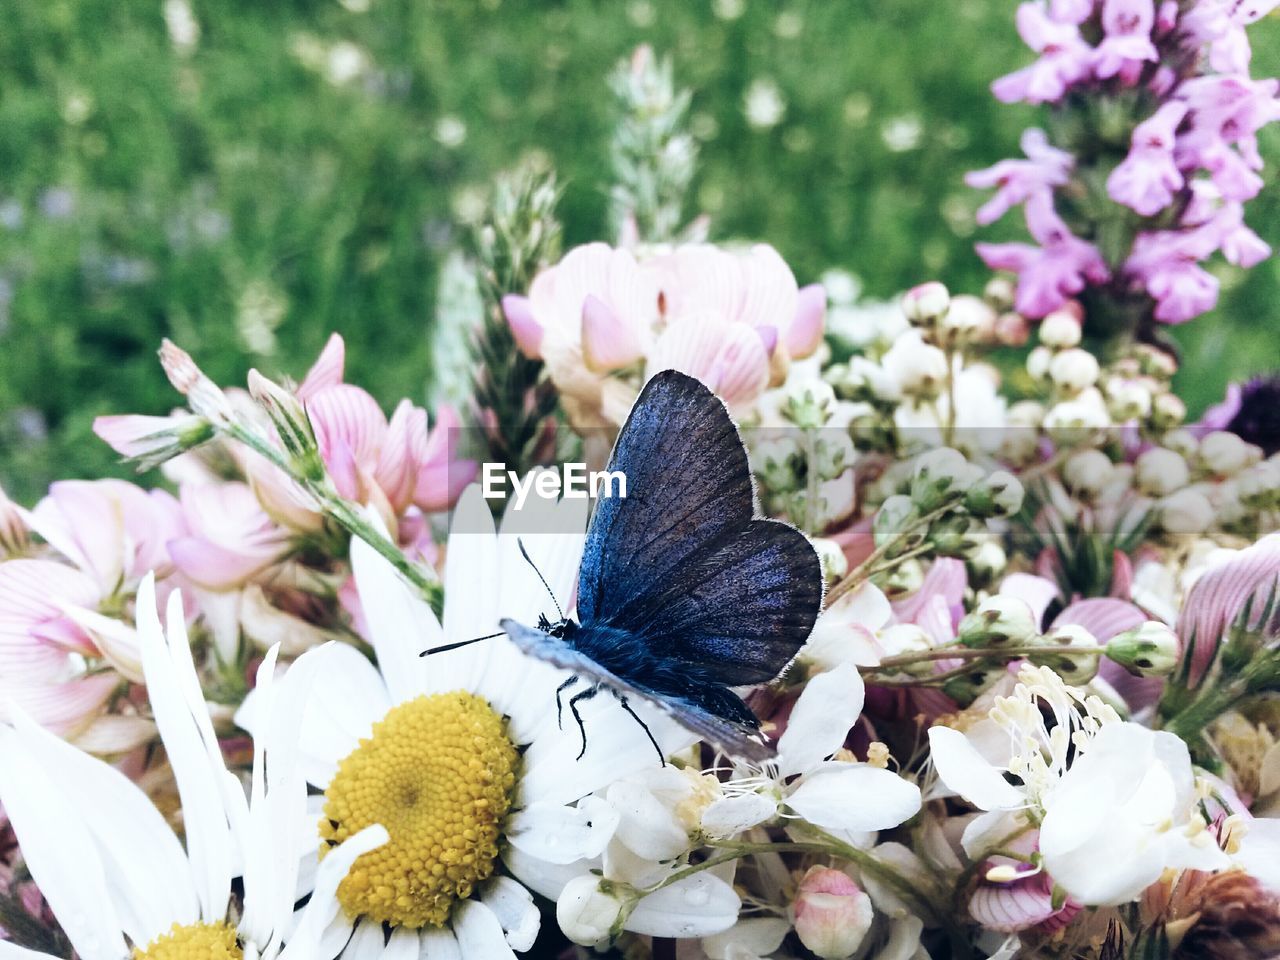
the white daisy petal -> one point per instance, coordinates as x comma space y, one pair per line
513, 905
438, 945
10, 951
334, 939
479, 933
403, 945
323, 906
560, 834
401, 623
59, 851
151, 881
209, 842
821, 719
855, 797
367, 943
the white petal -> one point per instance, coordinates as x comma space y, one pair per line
560, 834
964, 770
479, 933
401, 623
367, 943
209, 842
541, 876
439, 945
856, 797
513, 905
647, 827
696, 906
821, 719
403, 945
10, 951
59, 852
731, 815
1259, 852
151, 881
758, 936
323, 906
986, 830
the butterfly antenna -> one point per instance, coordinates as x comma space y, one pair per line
525, 553
445, 648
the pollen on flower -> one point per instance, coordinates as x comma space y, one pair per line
196, 941
437, 773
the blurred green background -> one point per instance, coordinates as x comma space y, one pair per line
246, 177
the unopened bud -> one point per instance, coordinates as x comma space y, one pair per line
1182, 441
918, 368
1074, 369
925, 305
1128, 399
1148, 650
997, 495
291, 422
941, 476
904, 579
1167, 410
999, 292
1223, 453
1069, 650
832, 913
1072, 422
1060, 330
151, 441
968, 319
1185, 511
592, 910
1038, 363
834, 563
999, 621
1012, 330
203, 395
895, 515
988, 561
1087, 472
1160, 471
778, 463
809, 404
957, 535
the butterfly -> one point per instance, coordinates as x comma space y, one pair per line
682, 592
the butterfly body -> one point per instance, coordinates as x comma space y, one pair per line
683, 593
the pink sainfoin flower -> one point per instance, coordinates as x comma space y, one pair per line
1180, 72
1054, 272
603, 322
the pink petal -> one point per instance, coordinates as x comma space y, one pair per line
1103, 617
770, 296
1219, 597
282, 499
769, 338
608, 343
441, 484
63, 708
82, 523
1013, 906
128, 434
1036, 592
347, 417
525, 328
327, 371
805, 333
728, 357
946, 578
395, 473
214, 566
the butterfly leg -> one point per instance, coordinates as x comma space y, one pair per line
559, 705
573, 708
626, 705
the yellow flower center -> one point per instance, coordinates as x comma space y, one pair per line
196, 941
437, 773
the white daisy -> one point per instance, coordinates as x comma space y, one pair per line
111, 868
459, 754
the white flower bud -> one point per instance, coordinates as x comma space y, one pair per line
1223, 453
869, 380
893, 518
1130, 399
1038, 362
1160, 471
1168, 410
1060, 330
1025, 413
940, 475
832, 913
917, 367
988, 561
1071, 651
834, 563
925, 304
591, 910
1012, 329
808, 403
999, 495
1074, 369
1258, 485
1073, 421
999, 621
1149, 650
1186, 511
999, 292
968, 317
1087, 472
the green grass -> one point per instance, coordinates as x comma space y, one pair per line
238, 201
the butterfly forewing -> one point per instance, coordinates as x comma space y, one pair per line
687, 482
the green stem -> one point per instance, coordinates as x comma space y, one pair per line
859, 574
346, 513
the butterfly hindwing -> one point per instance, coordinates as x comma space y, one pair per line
687, 482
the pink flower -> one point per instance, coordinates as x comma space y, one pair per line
1016, 181
111, 530
1220, 25
1127, 24
1148, 177
152, 440
1071, 11
1048, 275
1024, 900
1167, 264
1065, 59
832, 913
231, 539
603, 322
42, 647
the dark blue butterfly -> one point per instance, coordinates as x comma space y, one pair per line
682, 593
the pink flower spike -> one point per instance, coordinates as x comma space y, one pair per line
1128, 25
1148, 177
805, 333
1065, 59
525, 328
328, 369
608, 342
